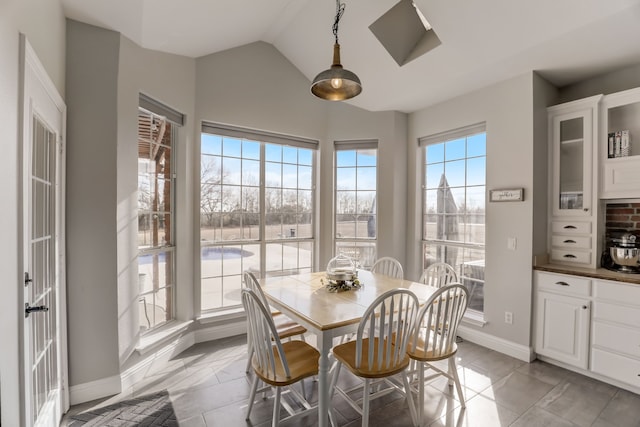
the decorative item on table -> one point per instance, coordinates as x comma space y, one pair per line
342, 274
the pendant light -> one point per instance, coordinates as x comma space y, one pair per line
336, 83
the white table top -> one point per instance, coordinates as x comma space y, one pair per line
307, 297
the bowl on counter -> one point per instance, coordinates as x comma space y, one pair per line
628, 257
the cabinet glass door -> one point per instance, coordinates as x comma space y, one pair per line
571, 166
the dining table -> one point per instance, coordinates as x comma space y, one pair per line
306, 299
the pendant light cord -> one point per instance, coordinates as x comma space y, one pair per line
339, 12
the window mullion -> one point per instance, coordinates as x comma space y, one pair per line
263, 214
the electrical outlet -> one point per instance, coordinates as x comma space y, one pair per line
508, 317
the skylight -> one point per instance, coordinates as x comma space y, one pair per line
405, 32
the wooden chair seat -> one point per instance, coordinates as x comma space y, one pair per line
302, 359
346, 353
286, 327
426, 352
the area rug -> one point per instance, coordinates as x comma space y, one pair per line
151, 410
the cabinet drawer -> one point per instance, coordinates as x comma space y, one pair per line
570, 227
572, 256
564, 284
580, 242
615, 291
617, 338
617, 313
621, 368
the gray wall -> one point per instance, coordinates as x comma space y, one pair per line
106, 74
92, 171
625, 78
544, 95
45, 31
508, 110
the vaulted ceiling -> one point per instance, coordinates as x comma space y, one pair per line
482, 42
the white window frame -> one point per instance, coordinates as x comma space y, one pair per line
157, 110
362, 249
264, 242
464, 267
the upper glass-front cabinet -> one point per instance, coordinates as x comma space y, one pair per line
572, 137
620, 145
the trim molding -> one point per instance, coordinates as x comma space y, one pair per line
509, 348
216, 332
95, 389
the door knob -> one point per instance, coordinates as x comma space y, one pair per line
28, 309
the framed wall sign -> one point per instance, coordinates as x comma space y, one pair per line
507, 195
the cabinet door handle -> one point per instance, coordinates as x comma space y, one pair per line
562, 284
570, 227
584, 307
586, 209
569, 256
569, 241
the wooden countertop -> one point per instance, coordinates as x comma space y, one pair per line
595, 273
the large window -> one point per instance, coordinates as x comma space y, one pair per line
256, 209
454, 205
355, 200
156, 218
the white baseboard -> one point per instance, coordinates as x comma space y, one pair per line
520, 352
94, 390
218, 331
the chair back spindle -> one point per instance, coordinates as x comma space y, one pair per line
438, 320
268, 351
389, 267
388, 324
438, 274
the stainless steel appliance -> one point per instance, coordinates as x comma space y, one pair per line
622, 254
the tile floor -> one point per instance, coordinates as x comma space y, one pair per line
209, 387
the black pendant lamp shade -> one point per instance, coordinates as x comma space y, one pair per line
336, 83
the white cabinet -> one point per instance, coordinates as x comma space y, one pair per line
589, 323
563, 318
620, 168
615, 341
573, 184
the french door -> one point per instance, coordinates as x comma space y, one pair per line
45, 396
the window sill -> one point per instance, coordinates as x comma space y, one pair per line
474, 319
165, 333
222, 316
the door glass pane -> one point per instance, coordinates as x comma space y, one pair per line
42, 291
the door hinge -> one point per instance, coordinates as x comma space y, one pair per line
27, 279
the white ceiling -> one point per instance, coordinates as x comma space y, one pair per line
483, 41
